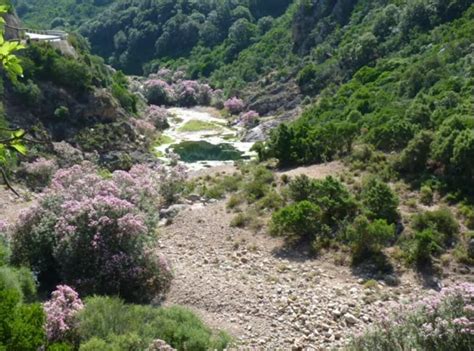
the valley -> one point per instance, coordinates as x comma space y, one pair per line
236, 175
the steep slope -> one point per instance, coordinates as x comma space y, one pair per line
69, 97
46, 14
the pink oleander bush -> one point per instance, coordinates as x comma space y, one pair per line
61, 314
234, 105
67, 155
158, 116
96, 234
38, 173
144, 128
443, 321
159, 92
4, 225
249, 119
190, 93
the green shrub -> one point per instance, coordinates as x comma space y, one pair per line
120, 91
271, 201
380, 201
20, 280
255, 190
299, 221
414, 157
426, 195
109, 319
21, 325
234, 202
468, 214
29, 92
441, 221
300, 188
369, 238
335, 201
425, 244
61, 112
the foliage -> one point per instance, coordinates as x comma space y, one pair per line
234, 105
329, 194
369, 238
108, 321
105, 228
21, 325
39, 173
121, 92
61, 311
299, 221
443, 321
380, 201
426, 195
249, 119
441, 221
10, 139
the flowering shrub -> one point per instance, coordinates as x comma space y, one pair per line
38, 174
249, 119
165, 74
144, 128
158, 116
234, 105
444, 321
158, 92
67, 155
94, 233
4, 225
61, 311
191, 93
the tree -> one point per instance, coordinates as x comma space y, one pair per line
380, 201
10, 139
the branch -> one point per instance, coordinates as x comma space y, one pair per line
7, 182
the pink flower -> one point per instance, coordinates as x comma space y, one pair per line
60, 312
234, 105
249, 119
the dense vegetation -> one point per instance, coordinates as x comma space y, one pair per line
389, 91
409, 90
130, 33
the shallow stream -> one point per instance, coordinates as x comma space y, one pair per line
202, 138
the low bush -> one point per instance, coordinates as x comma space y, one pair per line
20, 280
468, 214
234, 201
368, 238
444, 321
38, 174
109, 321
21, 325
234, 105
334, 199
61, 312
296, 222
425, 244
380, 201
441, 221
426, 195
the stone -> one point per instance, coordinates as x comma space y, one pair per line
350, 319
160, 345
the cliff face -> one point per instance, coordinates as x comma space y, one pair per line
12, 21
